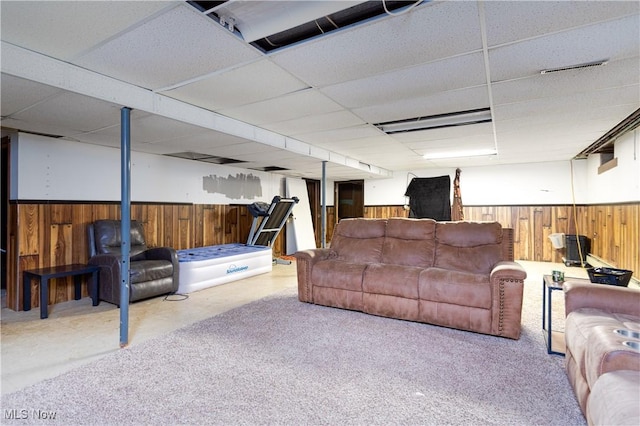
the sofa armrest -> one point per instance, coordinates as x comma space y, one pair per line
305, 260
508, 270
608, 298
313, 255
168, 254
507, 284
109, 282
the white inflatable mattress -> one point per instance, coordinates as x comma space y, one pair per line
205, 267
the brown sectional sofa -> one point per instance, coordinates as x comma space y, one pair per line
454, 274
603, 370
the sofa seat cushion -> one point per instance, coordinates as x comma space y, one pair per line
580, 323
614, 399
606, 352
455, 287
338, 274
147, 289
149, 270
477, 260
391, 280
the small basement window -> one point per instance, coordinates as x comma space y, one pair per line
607, 162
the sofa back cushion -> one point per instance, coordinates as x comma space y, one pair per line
359, 240
410, 242
108, 238
468, 246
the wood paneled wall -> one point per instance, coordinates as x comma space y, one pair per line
613, 230
45, 235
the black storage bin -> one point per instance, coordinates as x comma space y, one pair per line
611, 276
571, 243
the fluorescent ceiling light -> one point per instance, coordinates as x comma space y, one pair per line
437, 121
460, 154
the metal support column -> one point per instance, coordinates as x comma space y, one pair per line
323, 209
125, 221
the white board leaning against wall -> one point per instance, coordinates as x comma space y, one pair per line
300, 235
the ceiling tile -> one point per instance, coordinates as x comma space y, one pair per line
422, 106
612, 40
432, 31
325, 92
445, 133
565, 118
64, 29
178, 45
206, 142
243, 85
341, 134
373, 143
528, 19
288, 107
576, 102
67, 114
18, 94
420, 80
314, 123
619, 73
453, 144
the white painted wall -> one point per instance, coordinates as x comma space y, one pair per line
559, 182
54, 169
524, 184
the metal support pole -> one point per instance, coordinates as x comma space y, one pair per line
125, 221
323, 209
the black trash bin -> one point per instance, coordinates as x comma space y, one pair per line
573, 251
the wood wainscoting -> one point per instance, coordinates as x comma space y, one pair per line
45, 234
51, 234
613, 229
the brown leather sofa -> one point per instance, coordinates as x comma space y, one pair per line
454, 274
152, 271
603, 370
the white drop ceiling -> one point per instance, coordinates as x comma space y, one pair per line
68, 67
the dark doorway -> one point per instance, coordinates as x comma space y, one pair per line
313, 189
349, 199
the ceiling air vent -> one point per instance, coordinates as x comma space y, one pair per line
205, 158
269, 169
576, 67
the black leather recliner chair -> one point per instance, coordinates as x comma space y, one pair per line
153, 271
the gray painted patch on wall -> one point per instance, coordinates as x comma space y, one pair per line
240, 186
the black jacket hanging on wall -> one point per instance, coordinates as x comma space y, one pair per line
430, 198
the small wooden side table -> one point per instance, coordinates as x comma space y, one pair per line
45, 274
